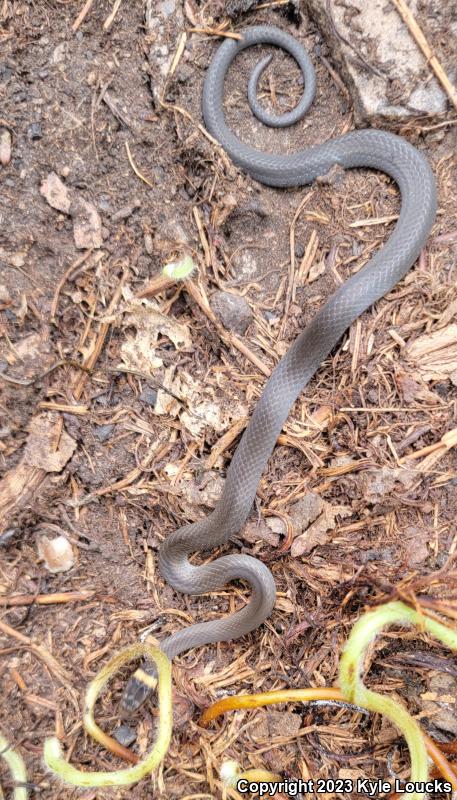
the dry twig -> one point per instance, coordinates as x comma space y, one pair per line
422, 42
82, 15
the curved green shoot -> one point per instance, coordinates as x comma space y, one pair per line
53, 755
17, 768
354, 690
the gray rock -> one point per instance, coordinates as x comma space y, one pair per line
148, 396
126, 211
34, 131
58, 54
233, 311
380, 39
167, 7
234, 8
103, 432
306, 511
247, 264
427, 97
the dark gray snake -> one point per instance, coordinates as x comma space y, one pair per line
363, 148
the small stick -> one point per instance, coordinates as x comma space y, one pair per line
39, 651
178, 55
272, 3
203, 237
82, 15
157, 285
447, 441
422, 42
45, 599
51, 405
109, 20
225, 441
216, 32
135, 168
102, 334
170, 275
68, 272
292, 277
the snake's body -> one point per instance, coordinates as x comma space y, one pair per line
364, 148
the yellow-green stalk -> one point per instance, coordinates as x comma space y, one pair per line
17, 768
53, 755
354, 690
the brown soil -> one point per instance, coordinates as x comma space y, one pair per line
61, 87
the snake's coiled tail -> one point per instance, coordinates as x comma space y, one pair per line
365, 148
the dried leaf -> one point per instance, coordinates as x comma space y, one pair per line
259, 531
138, 352
318, 531
415, 543
414, 390
434, 355
207, 493
285, 605
377, 483
316, 271
303, 513
31, 354
48, 446
165, 402
439, 703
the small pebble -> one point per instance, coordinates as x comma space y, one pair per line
35, 131
125, 212
299, 250
5, 73
104, 203
148, 244
103, 432
6, 537
148, 396
125, 735
270, 317
5, 147
5, 296
233, 311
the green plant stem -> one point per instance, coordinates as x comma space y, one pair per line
53, 755
354, 690
17, 768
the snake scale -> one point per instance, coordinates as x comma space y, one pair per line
375, 149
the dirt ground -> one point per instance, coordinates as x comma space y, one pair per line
85, 454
